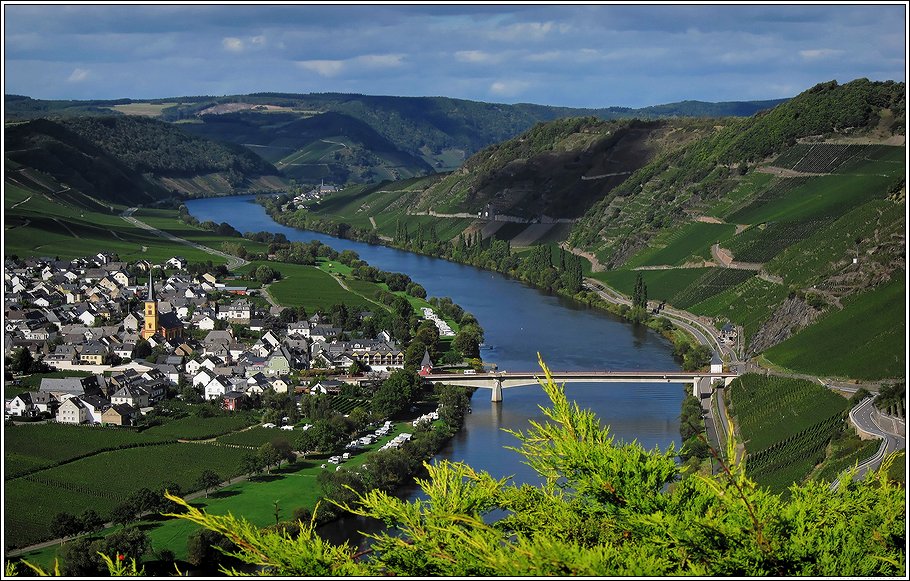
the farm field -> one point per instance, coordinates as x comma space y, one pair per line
713, 282
257, 436
748, 304
864, 340
662, 284
309, 287
197, 428
786, 425
39, 226
819, 197
745, 190
807, 261
33, 445
167, 221
689, 242
104, 480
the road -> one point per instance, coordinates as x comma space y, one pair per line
891, 431
713, 408
233, 262
865, 416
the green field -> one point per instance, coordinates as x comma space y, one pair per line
785, 425
197, 428
864, 340
686, 243
102, 481
819, 197
41, 226
311, 288
257, 436
662, 284
749, 303
809, 260
32, 445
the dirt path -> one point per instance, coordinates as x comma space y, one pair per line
373, 222
783, 172
725, 259
17, 204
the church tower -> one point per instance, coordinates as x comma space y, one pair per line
151, 311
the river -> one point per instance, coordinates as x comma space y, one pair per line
518, 322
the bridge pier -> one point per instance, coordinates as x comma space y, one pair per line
695, 381
497, 390
728, 381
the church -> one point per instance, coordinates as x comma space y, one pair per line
166, 325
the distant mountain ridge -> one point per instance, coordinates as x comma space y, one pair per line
408, 136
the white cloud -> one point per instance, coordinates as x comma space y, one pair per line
379, 60
325, 68
528, 30
819, 53
257, 40
474, 56
232, 44
78, 75
508, 88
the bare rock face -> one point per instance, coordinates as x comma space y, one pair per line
791, 316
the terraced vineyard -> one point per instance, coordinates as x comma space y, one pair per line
761, 244
711, 283
749, 303
691, 241
785, 424
829, 157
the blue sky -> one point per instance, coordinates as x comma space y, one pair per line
580, 56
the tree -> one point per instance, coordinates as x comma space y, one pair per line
142, 349
124, 513
251, 464
467, 342
208, 480
144, 500
90, 521
131, 542
395, 393
202, 549
65, 525
269, 456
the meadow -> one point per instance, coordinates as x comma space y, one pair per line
311, 288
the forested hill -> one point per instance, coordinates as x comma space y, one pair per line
691, 179
441, 131
128, 159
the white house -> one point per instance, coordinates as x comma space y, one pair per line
202, 377
217, 387
72, 411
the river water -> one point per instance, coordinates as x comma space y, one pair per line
518, 322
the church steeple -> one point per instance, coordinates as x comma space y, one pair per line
150, 327
151, 288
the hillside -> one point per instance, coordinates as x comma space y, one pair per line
390, 135
786, 222
330, 146
134, 160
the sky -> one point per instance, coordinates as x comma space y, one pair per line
595, 55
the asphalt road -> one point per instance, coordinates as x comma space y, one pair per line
868, 419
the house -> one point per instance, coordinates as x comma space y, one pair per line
717, 366
177, 262
239, 311
233, 400
278, 363
95, 406
124, 350
206, 323
137, 397
72, 386
93, 353
217, 387
119, 415
131, 322
280, 385
72, 411
203, 377
32, 403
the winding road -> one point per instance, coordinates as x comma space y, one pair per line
870, 421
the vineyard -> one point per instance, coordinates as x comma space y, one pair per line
777, 190
198, 428
255, 437
712, 282
834, 157
29, 447
748, 304
691, 241
790, 460
761, 244
104, 480
771, 409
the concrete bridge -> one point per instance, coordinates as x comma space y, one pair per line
496, 381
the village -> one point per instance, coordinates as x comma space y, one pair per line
141, 339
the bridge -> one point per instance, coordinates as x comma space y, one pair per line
496, 381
